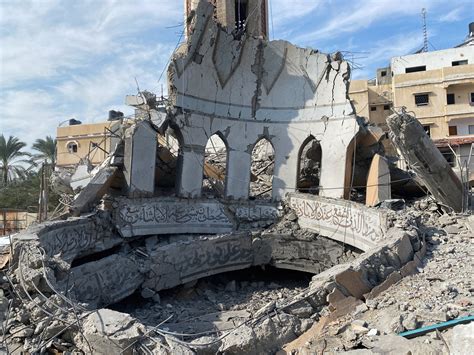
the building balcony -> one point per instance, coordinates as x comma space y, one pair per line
459, 111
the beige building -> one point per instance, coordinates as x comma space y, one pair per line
78, 142
373, 102
438, 87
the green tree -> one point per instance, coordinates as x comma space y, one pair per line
23, 194
10, 162
46, 149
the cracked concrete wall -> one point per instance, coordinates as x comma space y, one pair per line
249, 88
73, 238
170, 215
345, 221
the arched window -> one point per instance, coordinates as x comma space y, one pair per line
309, 166
215, 164
262, 169
71, 147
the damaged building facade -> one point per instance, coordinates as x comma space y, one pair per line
438, 88
140, 223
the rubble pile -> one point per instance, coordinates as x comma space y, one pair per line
439, 290
263, 164
232, 315
163, 246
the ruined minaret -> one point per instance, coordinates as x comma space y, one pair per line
236, 14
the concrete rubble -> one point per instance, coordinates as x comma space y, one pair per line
409, 136
263, 246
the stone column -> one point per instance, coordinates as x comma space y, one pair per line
140, 159
238, 174
333, 168
190, 174
285, 174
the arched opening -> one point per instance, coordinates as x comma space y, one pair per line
71, 147
309, 166
215, 163
262, 169
168, 161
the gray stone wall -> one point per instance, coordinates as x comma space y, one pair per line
249, 88
345, 221
188, 216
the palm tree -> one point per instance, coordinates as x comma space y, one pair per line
47, 151
10, 152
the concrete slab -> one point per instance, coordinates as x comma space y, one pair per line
345, 221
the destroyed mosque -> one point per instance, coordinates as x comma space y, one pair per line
256, 162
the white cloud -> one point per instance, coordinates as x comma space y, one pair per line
382, 51
51, 37
283, 10
63, 59
451, 16
360, 14
33, 113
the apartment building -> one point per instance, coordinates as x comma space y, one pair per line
438, 88
77, 142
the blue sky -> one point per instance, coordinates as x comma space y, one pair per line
62, 58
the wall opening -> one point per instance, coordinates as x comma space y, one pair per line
168, 161
415, 69
215, 164
262, 170
240, 14
309, 166
72, 147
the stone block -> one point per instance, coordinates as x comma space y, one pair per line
404, 249
94, 190
140, 159
353, 282
409, 268
179, 262
108, 332
392, 279
105, 281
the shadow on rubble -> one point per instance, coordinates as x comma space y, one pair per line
215, 303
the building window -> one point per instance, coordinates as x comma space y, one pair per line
415, 69
386, 107
453, 130
449, 156
471, 99
471, 129
459, 62
383, 73
427, 129
450, 100
421, 99
72, 147
240, 14
373, 108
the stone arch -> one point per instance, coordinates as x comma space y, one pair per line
262, 169
309, 166
72, 146
216, 159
